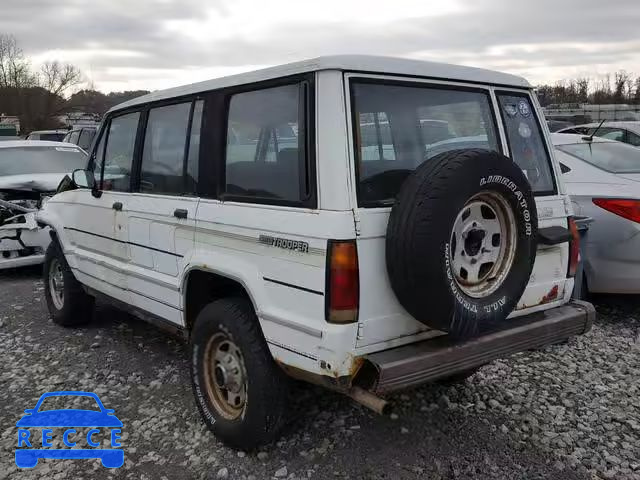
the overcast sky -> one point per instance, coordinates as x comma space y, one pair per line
152, 44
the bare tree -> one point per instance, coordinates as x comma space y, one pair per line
621, 79
57, 78
583, 89
15, 70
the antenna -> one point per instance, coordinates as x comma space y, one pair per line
589, 138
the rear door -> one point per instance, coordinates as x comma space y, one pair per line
397, 125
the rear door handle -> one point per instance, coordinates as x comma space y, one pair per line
180, 213
117, 206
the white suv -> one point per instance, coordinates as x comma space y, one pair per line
361, 223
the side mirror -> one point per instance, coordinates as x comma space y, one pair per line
83, 179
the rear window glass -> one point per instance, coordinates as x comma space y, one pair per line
51, 137
398, 127
526, 141
613, 157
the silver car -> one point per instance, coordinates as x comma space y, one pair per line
626, 132
603, 178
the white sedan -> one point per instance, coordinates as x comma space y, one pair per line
603, 179
30, 171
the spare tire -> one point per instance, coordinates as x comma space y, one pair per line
461, 241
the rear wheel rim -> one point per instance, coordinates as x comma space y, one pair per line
56, 283
225, 376
483, 244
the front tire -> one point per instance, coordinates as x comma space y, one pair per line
240, 391
69, 305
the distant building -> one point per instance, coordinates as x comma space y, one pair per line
79, 119
9, 126
577, 113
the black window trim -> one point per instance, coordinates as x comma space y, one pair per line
142, 131
212, 156
104, 132
527, 95
306, 137
428, 83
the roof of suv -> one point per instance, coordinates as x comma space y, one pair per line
358, 63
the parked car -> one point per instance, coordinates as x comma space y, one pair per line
48, 135
29, 172
81, 136
555, 125
626, 132
603, 178
306, 258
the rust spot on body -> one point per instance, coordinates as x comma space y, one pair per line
551, 296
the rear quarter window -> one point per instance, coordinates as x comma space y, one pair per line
526, 141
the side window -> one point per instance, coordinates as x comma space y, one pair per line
526, 140
84, 141
610, 133
194, 148
118, 156
73, 138
164, 148
564, 168
265, 154
633, 138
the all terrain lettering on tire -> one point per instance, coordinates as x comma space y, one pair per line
522, 202
196, 385
452, 284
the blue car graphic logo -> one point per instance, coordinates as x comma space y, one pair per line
70, 419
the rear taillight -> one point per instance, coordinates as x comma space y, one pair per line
343, 282
574, 248
629, 209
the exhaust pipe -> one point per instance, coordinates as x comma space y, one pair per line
369, 400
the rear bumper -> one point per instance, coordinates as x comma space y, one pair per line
441, 357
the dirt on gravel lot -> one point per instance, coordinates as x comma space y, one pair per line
566, 412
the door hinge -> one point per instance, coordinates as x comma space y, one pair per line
356, 222
360, 334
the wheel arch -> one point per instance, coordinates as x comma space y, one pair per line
203, 284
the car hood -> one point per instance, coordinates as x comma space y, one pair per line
41, 182
69, 418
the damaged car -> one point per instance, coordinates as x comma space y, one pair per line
30, 172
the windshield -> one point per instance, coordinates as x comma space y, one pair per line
398, 127
613, 157
35, 160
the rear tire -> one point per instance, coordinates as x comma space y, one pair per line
69, 305
240, 391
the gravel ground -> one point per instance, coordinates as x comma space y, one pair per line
567, 412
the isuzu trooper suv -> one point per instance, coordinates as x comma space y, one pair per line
362, 223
